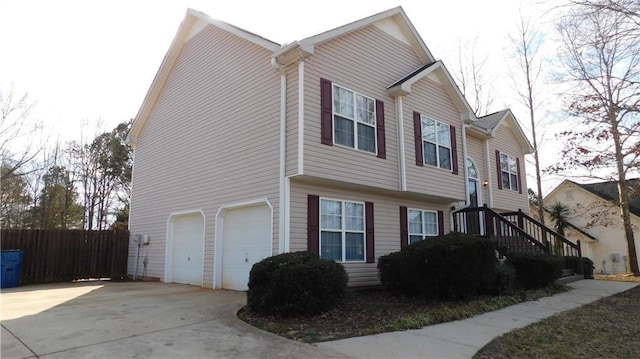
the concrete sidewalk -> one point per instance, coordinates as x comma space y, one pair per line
463, 338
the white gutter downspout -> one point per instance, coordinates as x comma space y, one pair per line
283, 216
464, 164
401, 157
301, 116
488, 169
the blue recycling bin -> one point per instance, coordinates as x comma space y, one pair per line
11, 263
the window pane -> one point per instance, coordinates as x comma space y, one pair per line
365, 110
354, 247
428, 130
513, 168
415, 221
330, 214
514, 182
445, 158
354, 220
505, 180
471, 170
366, 138
343, 101
431, 223
343, 131
504, 162
331, 245
444, 139
414, 239
430, 154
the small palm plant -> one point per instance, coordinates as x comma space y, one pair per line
559, 214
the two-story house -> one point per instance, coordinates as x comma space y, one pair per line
352, 143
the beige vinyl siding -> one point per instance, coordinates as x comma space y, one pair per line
366, 61
211, 138
386, 222
292, 120
505, 199
430, 99
475, 151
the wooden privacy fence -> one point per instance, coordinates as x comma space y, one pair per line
65, 255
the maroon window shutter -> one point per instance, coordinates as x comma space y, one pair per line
417, 133
440, 223
313, 224
499, 170
404, 227
519, 177
454, 150
326, 116
371, 250
382, 146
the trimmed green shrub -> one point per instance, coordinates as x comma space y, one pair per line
536, 270
295, 284
573, 262
505, 279
587, 267
453, 266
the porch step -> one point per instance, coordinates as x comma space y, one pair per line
568, 272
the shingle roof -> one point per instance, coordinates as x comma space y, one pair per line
609, 191
490, 121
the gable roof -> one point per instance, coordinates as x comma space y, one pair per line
488, 125
305, 47
609, 191
193, 22
403, 86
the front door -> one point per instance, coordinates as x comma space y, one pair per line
474, 222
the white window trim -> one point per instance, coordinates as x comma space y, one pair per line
423, 117
511, 185
343, 229
424, 233
355, 121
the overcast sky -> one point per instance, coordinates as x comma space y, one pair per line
90, 61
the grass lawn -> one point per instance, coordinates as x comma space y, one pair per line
608, 328
366, 312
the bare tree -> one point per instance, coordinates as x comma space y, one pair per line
17, 130
471, 78
527, 42
601, 56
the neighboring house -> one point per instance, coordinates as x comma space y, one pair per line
352, 143
595, 221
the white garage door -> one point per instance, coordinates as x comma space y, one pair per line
188, 249
246, 240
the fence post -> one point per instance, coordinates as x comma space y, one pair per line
520, 219
488, 221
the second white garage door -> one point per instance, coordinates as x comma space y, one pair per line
247, 239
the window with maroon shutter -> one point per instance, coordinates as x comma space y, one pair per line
370, 233
351, 119
380, 131
508, 172
346, 230
417, 136
404, 230
313, 223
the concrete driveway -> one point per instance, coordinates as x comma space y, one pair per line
104, 319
